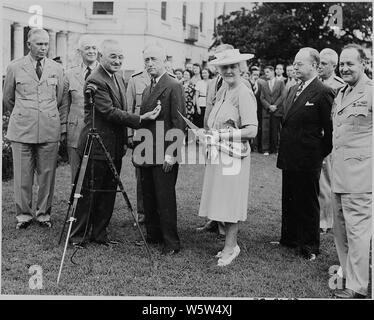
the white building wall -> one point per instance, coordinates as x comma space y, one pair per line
134, 24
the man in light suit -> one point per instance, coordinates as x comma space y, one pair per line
351, 179
33, 91
159, 171
326, 72
111, 122
137, 83
72, 107
305, 141
271, 100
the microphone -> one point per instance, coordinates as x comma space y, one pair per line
90, 89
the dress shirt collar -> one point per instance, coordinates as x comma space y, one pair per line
34, 62
92, 67
109, 74
158, 78
308, 82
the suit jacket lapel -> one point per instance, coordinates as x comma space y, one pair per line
151, 97
111, 84
122, 90
290, 98
46, 69
29, 68
79, 75
302, 98
357, 92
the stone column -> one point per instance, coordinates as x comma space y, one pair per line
61, 46
6, 47
18, 40
52, 44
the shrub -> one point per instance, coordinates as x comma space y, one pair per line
7, 170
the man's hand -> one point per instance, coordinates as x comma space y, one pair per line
130, 142
151, 115
272, 108
198, 110
168, 163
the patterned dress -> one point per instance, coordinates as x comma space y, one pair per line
226, 181
189, 92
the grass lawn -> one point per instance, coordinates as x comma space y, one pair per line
261, 270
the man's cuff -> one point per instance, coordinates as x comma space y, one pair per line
169, 159
64, 128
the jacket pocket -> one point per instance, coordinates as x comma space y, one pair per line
358, 154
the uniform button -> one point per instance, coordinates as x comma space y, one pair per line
340, 113
336, 147
339, 124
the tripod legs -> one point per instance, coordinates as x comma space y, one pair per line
76, 193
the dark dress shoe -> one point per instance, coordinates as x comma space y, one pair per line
169, 252
106, 243
149, 241
78, 244
348, 294
45, 224
23, 225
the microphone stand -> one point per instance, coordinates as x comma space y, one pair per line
92, 136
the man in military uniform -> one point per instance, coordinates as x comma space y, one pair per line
326, 71
137, 83
33, 92
351, 178
72, 107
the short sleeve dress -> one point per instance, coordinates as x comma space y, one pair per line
226, 181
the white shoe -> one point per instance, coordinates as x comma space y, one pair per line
219, 253
266, 153
225, 262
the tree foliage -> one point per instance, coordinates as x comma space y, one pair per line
274, 32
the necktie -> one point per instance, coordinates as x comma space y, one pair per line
219, 83
87, 73
153, 83
255, 88
271, 85
299, 90
347, 91
38, 69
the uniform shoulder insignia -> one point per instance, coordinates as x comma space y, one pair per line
171, 75
136, 74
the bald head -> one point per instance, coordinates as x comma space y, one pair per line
306, 63
38, 43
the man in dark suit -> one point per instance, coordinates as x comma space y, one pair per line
306, 138
159, 166
256, 84
271, 99
111, 121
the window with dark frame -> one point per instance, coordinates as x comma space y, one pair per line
163, 10
102, 8
184, 15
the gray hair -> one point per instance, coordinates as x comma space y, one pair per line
331, 54
36, 31
106, 43
158, 46
86, 38
313, 53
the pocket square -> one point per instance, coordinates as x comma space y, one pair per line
309, 104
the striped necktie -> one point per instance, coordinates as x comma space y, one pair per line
299, 90
87, 73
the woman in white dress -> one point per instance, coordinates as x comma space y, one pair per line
226, 180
